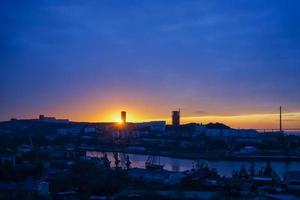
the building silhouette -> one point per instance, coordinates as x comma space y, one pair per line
176, 118
123, 117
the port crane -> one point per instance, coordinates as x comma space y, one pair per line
123, 159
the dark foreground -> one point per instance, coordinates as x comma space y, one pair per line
41, 160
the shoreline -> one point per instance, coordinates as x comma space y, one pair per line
196, 156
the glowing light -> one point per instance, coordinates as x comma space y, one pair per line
139, 112
118, 120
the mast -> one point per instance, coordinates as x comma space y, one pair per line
280, 119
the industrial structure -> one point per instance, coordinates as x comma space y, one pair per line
280, 119
176, 118
123, 117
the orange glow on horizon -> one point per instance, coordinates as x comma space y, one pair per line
138, 112
251, 121
144, 108
118, 120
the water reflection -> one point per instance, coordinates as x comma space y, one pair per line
224, 168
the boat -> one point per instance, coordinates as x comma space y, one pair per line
292, 180
153, 163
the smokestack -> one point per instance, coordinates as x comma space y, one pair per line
280, 119
176, 118
123, 117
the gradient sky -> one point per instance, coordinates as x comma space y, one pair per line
233, 61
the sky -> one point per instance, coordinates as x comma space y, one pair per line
231, 61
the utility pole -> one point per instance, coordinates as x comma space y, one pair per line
280, 119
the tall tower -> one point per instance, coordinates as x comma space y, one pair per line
280, 119
123, 117
176, 118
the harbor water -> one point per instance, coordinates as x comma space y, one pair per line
224, 168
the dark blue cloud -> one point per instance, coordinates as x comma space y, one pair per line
210, 53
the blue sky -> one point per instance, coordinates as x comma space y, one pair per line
210, 57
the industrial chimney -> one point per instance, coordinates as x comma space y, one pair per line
176, 118
123, 117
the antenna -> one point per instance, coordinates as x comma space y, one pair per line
280, 119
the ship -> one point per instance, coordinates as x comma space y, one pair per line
153, 163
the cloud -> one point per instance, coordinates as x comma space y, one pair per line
200, 112
229, 58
